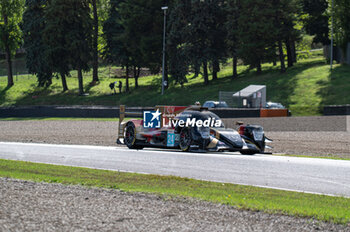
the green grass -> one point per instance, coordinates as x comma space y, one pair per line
326, 208
305, 88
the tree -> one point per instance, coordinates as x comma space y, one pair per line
133, 32
205, 35
95, 42
232, 39
33, 27
316, 20
217, 35
197, 32
54, 37
285, 18
143, 24
256, 32
79, 35
179, 14
116, 48
342, 23
68, 34
10, 33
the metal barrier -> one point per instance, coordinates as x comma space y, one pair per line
270, 113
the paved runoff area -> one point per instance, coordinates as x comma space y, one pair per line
321, 176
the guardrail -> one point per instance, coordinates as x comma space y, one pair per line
113, 112
336, 110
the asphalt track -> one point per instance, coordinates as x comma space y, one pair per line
312, 175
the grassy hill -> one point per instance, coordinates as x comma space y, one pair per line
305, 88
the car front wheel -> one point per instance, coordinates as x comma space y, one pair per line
185, 139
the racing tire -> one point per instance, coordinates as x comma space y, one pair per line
130, 137
248, 152
185, 139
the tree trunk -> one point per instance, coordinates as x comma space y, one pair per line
95, 43
281, 55
166, 77
9, 67
8, 56
216, 69
289, 53
294, 53
80, 79
197, 68
127, 79
138, 71
64, 82
235, 61
274, 61
205, 72
258, 68
136, 77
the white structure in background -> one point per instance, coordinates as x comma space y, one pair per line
253, 96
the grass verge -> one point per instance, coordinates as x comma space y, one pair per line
326, 208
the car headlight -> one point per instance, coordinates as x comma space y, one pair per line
204, 132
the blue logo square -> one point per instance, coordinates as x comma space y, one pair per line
151, 119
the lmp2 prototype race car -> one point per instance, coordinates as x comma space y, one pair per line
191, 129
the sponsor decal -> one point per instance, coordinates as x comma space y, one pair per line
192, 122
171, 138
151, 119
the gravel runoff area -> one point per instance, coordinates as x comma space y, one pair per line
29, 206
315, 143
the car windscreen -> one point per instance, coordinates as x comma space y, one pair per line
209, 105
222, 105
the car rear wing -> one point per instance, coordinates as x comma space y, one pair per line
122, 115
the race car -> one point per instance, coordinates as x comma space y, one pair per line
194, 129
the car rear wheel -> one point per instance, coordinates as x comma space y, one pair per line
185, 139
130, 137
